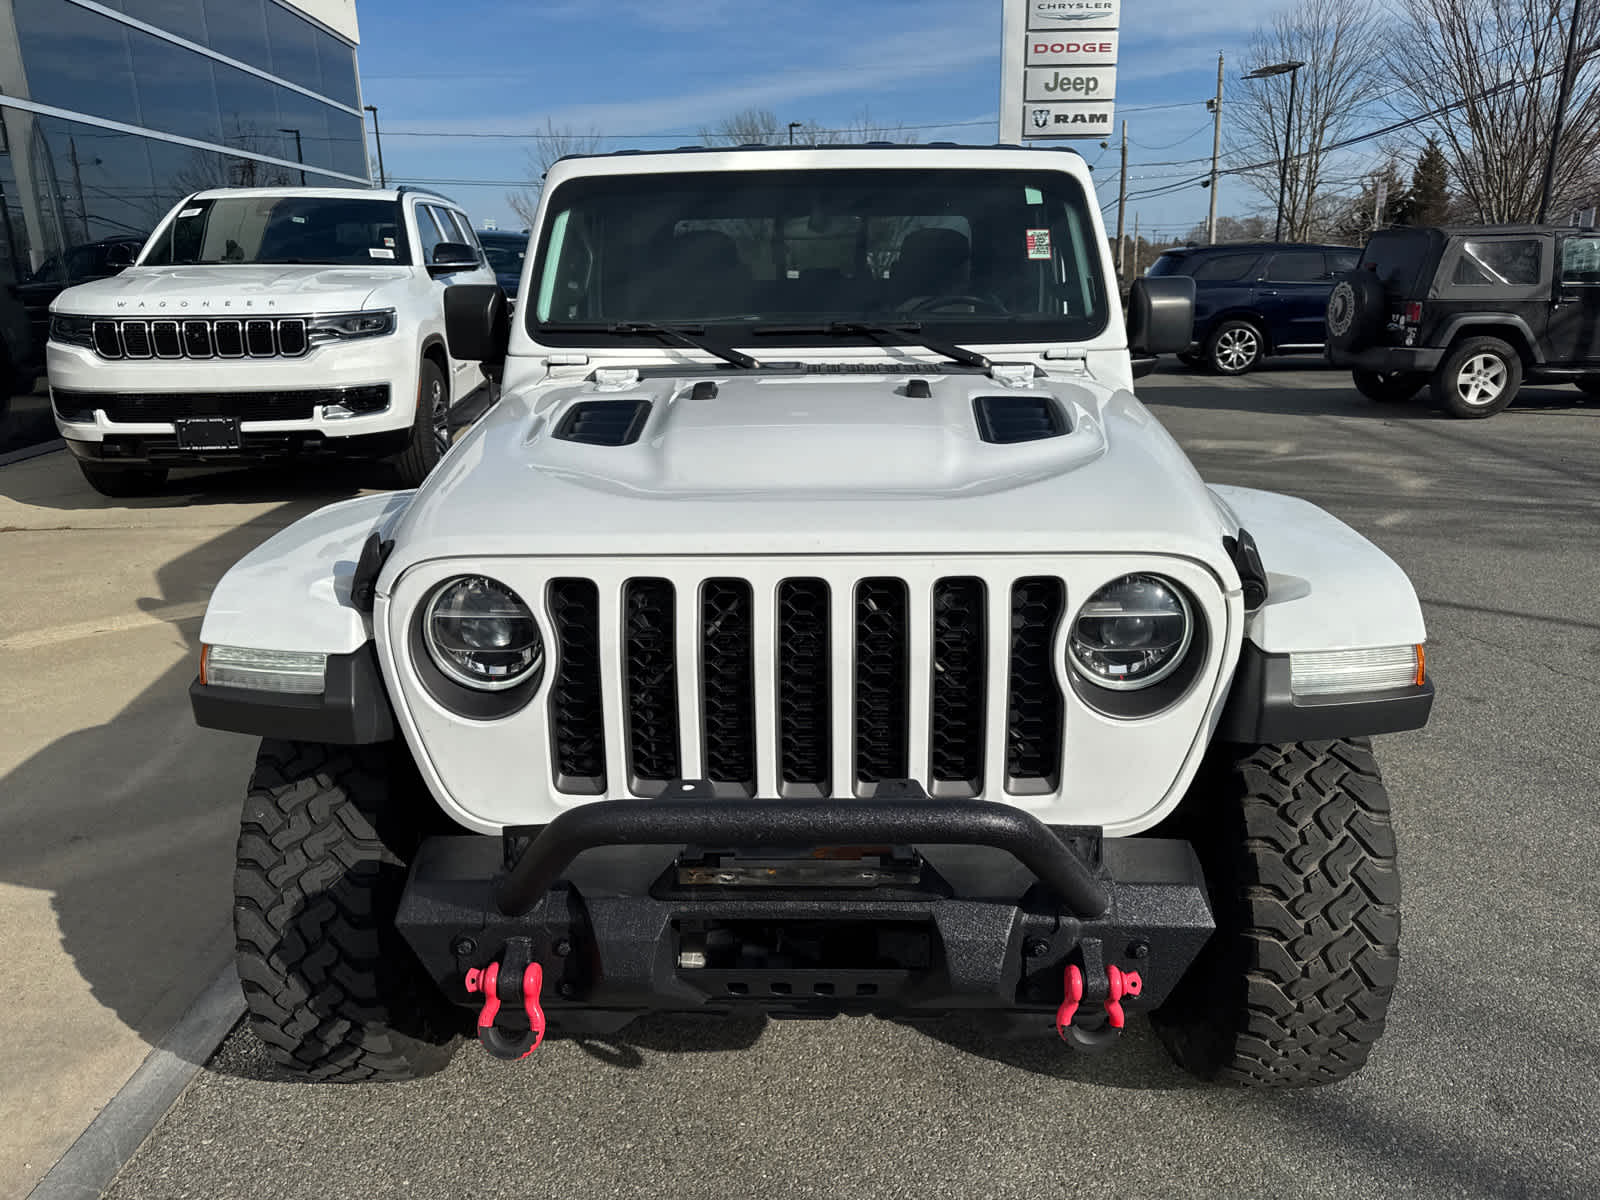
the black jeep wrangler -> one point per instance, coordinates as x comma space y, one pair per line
1472, 311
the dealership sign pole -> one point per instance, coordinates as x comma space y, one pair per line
1058, 65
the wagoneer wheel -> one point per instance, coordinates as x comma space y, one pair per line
330, 986
1293, 987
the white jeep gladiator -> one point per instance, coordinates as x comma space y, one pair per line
820, 624
263, 324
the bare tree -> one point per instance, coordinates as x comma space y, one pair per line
753, 126
1482, 76
554, 143
1340, 45
761, 127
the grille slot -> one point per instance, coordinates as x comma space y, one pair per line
136, 339
804, 662
132, 407
955, 743
1005, 420
258, 338
881, 683
604, 422
1034, 703
166, 340
577, 723
291, 337
229, 336
197, 339
652, 691
107, 343
727, 682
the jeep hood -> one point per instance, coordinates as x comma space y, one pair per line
225, 290
779, 463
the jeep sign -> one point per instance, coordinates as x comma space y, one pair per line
1058, 69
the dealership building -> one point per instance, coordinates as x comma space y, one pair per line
113, 110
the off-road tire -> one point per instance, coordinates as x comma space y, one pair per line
1299, 855
427, 442
331, 988
1236, 347
1388, 387
123, 483
1446, 388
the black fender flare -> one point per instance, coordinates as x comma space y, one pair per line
1468, 323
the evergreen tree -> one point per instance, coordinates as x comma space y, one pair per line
1429, 202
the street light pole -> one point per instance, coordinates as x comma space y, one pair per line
793, 125
383, 178
299, 157
1562, 96
1292, 70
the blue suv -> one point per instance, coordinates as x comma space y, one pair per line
1256, 299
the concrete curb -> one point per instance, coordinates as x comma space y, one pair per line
92, 1162
27, 452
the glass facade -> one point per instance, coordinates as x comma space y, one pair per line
72, 182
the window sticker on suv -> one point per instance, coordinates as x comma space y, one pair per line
1508, 263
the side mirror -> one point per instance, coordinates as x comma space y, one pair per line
121, 256
477, 324
1160, 315
451, 256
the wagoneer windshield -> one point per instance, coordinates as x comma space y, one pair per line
978, 255
321, 230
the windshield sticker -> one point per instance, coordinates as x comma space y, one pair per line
298, 220
1039, 243
190, 212
380, 252
388, 241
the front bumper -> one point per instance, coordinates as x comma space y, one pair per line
161, 449
916, 907
1385, 360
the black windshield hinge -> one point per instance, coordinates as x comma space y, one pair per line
364, 582
1247, 561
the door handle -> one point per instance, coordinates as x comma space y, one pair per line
1266, 291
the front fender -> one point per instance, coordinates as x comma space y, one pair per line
292, 592
1328, 587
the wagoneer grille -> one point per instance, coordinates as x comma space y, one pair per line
201, 337
820, 686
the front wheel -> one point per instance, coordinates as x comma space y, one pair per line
1478, 378
1299, 856
331, 988
1388, 387
1235, 347
430, 428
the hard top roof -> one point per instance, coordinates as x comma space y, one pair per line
760, 147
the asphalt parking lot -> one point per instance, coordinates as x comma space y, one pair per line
1485, 1085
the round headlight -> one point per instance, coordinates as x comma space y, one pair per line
1131, 633
481, 634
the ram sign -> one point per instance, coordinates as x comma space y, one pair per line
1058, 69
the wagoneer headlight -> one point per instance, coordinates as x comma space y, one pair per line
481, 634
72, 331
1131, 633
342, 327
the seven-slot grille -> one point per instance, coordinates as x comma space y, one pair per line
821, 687
201, 337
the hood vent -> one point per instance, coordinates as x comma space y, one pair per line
1025, 417
604, 422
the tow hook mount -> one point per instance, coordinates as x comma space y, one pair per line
510, 1024
1105, 988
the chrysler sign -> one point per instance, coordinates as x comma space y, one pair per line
1058, 69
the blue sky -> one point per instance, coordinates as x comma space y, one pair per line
641, 69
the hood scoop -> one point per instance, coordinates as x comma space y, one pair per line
1020, 417
604, 422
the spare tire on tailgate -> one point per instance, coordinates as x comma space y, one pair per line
1357, 310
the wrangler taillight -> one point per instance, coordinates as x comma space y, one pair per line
1412, 313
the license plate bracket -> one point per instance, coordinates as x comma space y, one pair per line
207, 433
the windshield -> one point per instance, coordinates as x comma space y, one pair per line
284, 229
505, 255
972, 255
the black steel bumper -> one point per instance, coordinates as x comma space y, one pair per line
630, 906
1386, 359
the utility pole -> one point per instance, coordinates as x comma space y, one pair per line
1561, 112
1135, 272
383, 178
1122, 200
299, 156
1216, 153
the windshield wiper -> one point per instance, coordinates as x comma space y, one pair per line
909, 330
687, 335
